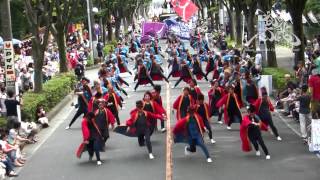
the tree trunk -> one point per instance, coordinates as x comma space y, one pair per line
109, 28
104, 30
296, 9
5, 22
265, 5
38, 63
230, 23
211, 20
238, 27
250, 19
61, 42
117, 27
298, 32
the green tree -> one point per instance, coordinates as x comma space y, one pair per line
265, 5
296, 9
313, 5
64, 9
39, 15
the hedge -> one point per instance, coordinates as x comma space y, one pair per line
53, 92
109, 46
278, 79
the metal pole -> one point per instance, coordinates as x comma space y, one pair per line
11, 83
90, 30
243, 22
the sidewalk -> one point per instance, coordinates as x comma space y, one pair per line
285, 58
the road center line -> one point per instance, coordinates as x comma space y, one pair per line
169, 163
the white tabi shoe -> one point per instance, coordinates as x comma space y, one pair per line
220, 122
268, 157
99, 163
151, 156
68, 127
228, 127
186, 152
212, 141
279, 138
172, 87
163, 130
209, 160
258, 153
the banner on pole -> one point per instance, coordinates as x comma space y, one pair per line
9, 64
154, 29
184, 8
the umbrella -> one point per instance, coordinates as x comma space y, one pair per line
14, 41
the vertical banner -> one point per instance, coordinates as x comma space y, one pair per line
9, 64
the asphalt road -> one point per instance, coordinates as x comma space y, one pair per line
53, 158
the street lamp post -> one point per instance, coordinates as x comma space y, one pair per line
90, 30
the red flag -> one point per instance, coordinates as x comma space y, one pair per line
184, 8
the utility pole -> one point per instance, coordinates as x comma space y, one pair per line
11, 83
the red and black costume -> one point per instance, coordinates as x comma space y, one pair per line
143, 76
203, 111
197, 69
232, 111
181, 104
263, 108
190, 130
155, 108
250, 130
156, 72
175, 71
113, 103
185, 75
122, 65
140, 123
215, 94
194, 92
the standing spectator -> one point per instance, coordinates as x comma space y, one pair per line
100, 49
25, 80
304, 111
11, 105
314, 85
3, 97
301, 74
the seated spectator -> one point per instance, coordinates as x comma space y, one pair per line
290, 84
15, 139
28, 130
12, 151
288, 102
41, 117
5, 160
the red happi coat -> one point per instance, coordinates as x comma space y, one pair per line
257, 105
246, 145
134, 116
207, 110
109, 116
225, 101
180, 130
90, 104
211, 94
177, 104
115, 97
157, 109
85, 129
